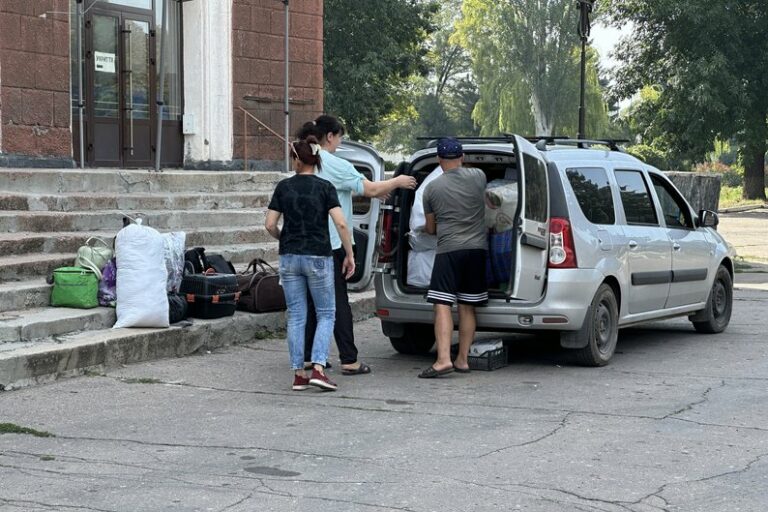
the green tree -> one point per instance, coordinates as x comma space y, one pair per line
372, 49
440, 103
525, 57
708, 60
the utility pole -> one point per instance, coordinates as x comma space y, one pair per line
585, 9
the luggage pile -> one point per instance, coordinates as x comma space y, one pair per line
153, 281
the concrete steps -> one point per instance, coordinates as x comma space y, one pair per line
134, 202
164, 220
28, 266
21, 243
29, 363
46, 214
120, 181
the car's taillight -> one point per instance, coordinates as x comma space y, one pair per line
387, 237
562, 252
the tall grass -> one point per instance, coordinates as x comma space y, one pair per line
732, 196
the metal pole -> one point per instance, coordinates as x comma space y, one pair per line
80, 104
585, 8
161, 92
582, 86
287, 90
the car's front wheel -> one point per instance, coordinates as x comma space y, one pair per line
717, 314
417, 339
600, 330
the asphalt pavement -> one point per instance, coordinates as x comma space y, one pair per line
676, 422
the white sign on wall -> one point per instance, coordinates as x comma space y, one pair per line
105, 62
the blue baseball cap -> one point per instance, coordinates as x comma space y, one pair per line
449, 148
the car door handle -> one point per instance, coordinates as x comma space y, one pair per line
632, 244
676, 246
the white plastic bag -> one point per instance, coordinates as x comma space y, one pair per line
500, 205
142, 300
420, 265
174, 244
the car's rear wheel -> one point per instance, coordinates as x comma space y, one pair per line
416, 339
600, 330
717, 314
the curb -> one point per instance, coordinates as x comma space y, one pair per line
96, 351
739, 209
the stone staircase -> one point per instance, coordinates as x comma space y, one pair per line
45, 215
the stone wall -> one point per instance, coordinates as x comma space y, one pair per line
34, 79
258, 71
701, 190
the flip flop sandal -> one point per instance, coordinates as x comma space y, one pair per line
461, 370
432, 373
360, 370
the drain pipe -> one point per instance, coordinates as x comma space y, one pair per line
286, 154
161, 93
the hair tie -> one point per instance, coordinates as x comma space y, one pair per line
315, 148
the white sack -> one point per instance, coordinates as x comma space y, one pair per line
174, 244
500, 205
420, 265
142, 300
418, 220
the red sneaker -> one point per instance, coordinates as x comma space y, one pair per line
300, 383
322, 381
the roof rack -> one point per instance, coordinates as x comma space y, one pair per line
476, 139
613, 144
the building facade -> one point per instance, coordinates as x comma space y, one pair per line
212, 58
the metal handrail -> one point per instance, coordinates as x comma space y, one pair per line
246, 115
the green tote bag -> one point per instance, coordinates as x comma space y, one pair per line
75, 287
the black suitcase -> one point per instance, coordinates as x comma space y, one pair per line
210, 295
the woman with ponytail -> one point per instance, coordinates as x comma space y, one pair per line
305, 201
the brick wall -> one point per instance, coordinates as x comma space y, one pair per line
34, 60
258, 70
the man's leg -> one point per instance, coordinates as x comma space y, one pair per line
467, 326
309, 330
443, 335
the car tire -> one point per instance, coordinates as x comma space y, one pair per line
600, 330
717, 314
417, 339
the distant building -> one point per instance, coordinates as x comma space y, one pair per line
217, 52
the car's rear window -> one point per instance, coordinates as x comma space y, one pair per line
593, 192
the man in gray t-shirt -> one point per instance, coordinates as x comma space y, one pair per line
454, 207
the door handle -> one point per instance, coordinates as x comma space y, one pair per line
676, 246
632, 244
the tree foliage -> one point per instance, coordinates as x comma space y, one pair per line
525, 57
372, 50
440, 103
708, 62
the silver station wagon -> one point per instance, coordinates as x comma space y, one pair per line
599, 241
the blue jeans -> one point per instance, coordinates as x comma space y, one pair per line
298, 273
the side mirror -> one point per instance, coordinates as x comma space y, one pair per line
708, 219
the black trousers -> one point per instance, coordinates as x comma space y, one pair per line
343, 328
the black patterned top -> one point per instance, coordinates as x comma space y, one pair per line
304, 200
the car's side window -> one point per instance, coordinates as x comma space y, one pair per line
636, 198
593, 192
676, 212
361, 204
536, 193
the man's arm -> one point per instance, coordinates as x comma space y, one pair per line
271, 223
431, 226
382, 188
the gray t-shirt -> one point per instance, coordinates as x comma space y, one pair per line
457, 198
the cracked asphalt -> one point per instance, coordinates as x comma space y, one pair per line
677, 422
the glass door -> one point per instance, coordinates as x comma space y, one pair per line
120, 69
138, 93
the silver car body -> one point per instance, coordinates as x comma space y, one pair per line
672, 268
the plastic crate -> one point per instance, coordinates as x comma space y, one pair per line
491, 360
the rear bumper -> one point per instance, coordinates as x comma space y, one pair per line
568, 294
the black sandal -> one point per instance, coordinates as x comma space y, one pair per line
432, 373
360, 370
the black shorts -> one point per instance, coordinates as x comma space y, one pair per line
459, 276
